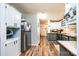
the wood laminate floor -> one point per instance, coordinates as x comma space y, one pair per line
45, 48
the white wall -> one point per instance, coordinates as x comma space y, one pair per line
34, 21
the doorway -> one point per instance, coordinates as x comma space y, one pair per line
43, 27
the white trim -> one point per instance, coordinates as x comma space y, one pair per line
32, 44
18, 54
36, 44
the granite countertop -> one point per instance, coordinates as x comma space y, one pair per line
70, 45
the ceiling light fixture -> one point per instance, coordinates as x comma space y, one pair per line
42, 16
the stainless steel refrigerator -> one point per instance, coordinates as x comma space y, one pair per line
25, 35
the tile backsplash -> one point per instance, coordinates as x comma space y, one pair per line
69, 30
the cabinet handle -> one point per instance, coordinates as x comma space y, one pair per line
15, 24
5, 6
14, 42
5, 44
5, 23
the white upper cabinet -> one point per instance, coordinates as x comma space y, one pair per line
13, 17
70, 13
17, 20
9, 16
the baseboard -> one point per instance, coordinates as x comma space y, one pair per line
32, 44
36, 44
18, 54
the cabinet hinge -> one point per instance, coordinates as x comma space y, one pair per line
5, 6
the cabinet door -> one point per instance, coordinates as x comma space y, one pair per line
17, 20
65, 38
12, 48
9, 49
54, 37
17, 47
49, 37
13, 17
9, 15
58, 36
65, 52
72, 39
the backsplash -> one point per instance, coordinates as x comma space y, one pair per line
70, 31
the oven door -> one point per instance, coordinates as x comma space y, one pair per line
9, 33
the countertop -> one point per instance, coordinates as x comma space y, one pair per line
70, 45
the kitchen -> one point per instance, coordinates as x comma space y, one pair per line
35, 26
63, 31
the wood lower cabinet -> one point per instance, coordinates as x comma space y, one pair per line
65, 38
72, 39
52, 37
59, 37
56, 36
65, 52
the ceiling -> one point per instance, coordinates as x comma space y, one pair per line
55, 11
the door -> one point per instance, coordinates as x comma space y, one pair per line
9, 14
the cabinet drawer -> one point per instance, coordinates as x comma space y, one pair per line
64, 52
9, 15
72, 39
12, 48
